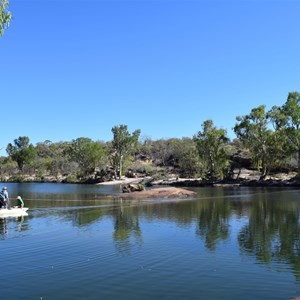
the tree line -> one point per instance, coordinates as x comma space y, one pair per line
271, 140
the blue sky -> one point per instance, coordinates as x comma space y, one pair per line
74, 69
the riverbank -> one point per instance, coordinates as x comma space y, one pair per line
246, 178
242, 177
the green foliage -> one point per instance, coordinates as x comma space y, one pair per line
55, 157
253, 131
5, 16
291, 110
211, 145
22, 152
286, 121
17, 178
42, 165
7, 165
187, 158
180, 154
86, 153
72, 178
161, 152
122, 145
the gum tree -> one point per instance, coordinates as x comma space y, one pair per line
22, 151
211, 144
287, 122
253, 131
5, 16
86, 153
123, 142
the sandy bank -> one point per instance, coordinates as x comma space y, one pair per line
122, 181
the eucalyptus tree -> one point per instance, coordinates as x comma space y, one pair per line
182, 156
44, 149
287, 121
211, 144
22, 151
281, 148
86, 153
123, 144
255, 134
5, 16
188, 158
161, 152
54, 157
7, 165
179, 154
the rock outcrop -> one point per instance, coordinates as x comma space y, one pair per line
163, 192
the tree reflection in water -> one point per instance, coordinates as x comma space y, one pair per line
126, 227
270, 222
273, 231
213, 222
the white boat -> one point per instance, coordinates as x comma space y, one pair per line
13, 212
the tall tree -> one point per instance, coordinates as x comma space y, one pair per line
280, 148
253, 131
188, 158
86, 153
22, 151
211, 145
123, 142
287, 120
5, 16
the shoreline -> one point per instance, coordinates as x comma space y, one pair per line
124, 180
247, 177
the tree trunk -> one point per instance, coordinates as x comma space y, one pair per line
298, 175
264, 169
120, 167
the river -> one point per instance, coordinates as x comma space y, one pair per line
79, 242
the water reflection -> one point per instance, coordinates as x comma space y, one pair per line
84, 217
12, 227
272, 232
3, 228
269, 231
213, 221
126, 228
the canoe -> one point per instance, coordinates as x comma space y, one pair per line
13, 212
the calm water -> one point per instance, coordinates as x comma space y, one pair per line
79, 243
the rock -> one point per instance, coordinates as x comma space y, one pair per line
165, 192
132, 187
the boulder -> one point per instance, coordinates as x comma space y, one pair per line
165, 192
133, 187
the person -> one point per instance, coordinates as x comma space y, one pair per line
2, 200
20, 202
6, 198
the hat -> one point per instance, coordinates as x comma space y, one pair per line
19, 197
5, 188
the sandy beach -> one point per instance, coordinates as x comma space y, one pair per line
122, 181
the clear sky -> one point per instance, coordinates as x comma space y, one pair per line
76, 68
